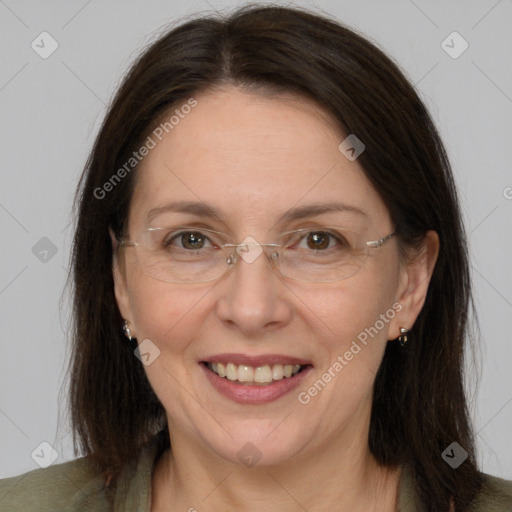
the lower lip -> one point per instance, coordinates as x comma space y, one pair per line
246, 394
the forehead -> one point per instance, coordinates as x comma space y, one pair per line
253, 157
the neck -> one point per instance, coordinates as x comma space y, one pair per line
340, 476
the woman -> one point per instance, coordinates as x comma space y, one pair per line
271, 286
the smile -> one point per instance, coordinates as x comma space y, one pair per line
266, 380
250, 375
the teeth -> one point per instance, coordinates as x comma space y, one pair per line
245, 373
231, 371
277, 372
248, 374
263, 374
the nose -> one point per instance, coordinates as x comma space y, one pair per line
253, 295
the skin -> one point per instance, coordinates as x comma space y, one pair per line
255, 157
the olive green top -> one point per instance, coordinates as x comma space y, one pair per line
71, 487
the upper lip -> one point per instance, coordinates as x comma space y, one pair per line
255, 361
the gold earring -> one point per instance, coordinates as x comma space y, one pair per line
403, 336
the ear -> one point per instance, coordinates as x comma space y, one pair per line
415, 276
119, 276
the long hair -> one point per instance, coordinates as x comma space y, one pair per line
419, 403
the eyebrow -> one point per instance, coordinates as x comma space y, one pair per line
204, 210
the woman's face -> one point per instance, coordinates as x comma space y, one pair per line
253, 159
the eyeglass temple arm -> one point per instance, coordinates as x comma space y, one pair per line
126, 243
378, 243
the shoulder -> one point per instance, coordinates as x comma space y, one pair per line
495, 495
74, 487
67, 486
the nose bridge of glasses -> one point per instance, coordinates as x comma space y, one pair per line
249, 250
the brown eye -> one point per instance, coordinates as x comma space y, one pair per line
322, 241
318, 240
190, 240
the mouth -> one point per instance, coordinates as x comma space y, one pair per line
264, 375
255, 379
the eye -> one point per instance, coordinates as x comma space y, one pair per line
322, 240
189, 240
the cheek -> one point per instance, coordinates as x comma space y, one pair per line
165, 313
169, 316
354, 316
351, 324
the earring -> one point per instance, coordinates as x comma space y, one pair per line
403, 336
126, 330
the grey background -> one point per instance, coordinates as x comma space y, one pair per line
50, 113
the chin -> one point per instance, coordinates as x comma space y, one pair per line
264, 447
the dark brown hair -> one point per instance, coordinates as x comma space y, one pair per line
419, 405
